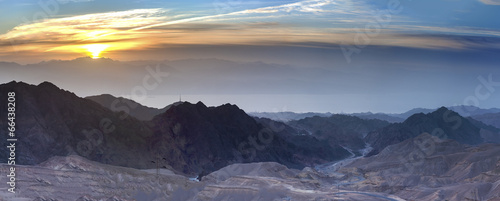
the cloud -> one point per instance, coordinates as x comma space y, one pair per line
73, 1
144, 24
310, 21
301, 6
82, 28
491, 2
457, 31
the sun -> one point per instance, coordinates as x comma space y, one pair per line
95, 49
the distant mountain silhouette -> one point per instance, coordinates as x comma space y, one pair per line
443, 123
490, 134
190, 138
287, 116
467, 110
492, 119
119, 104
380, 116
463, 110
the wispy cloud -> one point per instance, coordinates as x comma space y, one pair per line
310, 21
74, 1
54, 33
491, 2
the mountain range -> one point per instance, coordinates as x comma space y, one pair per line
65, 139
344, 130
487, 116
443, 123
190, 138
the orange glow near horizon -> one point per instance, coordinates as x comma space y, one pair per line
95, 50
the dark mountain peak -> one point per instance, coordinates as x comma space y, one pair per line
443, 123
182, 106
223, 113
200, 107
442, 114
47, 85
56, 122
443, 111
104, 96
14, 83
197, 138
199, 104
44, 88
232, 108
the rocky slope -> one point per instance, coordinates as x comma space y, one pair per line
305, 147
75, 178
53, 122
119, 104
429, 168
423, 168
443, 123
203, 139
463, 110
490, 134
343, 130
190, 138
492, 119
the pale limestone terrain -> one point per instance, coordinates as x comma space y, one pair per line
75, 178
424, 168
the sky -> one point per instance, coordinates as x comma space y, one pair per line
381, 56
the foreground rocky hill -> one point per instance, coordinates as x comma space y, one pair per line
75, 178
429, 168
53, 122
423, 168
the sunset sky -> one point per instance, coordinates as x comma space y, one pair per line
63, 29
383, 38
